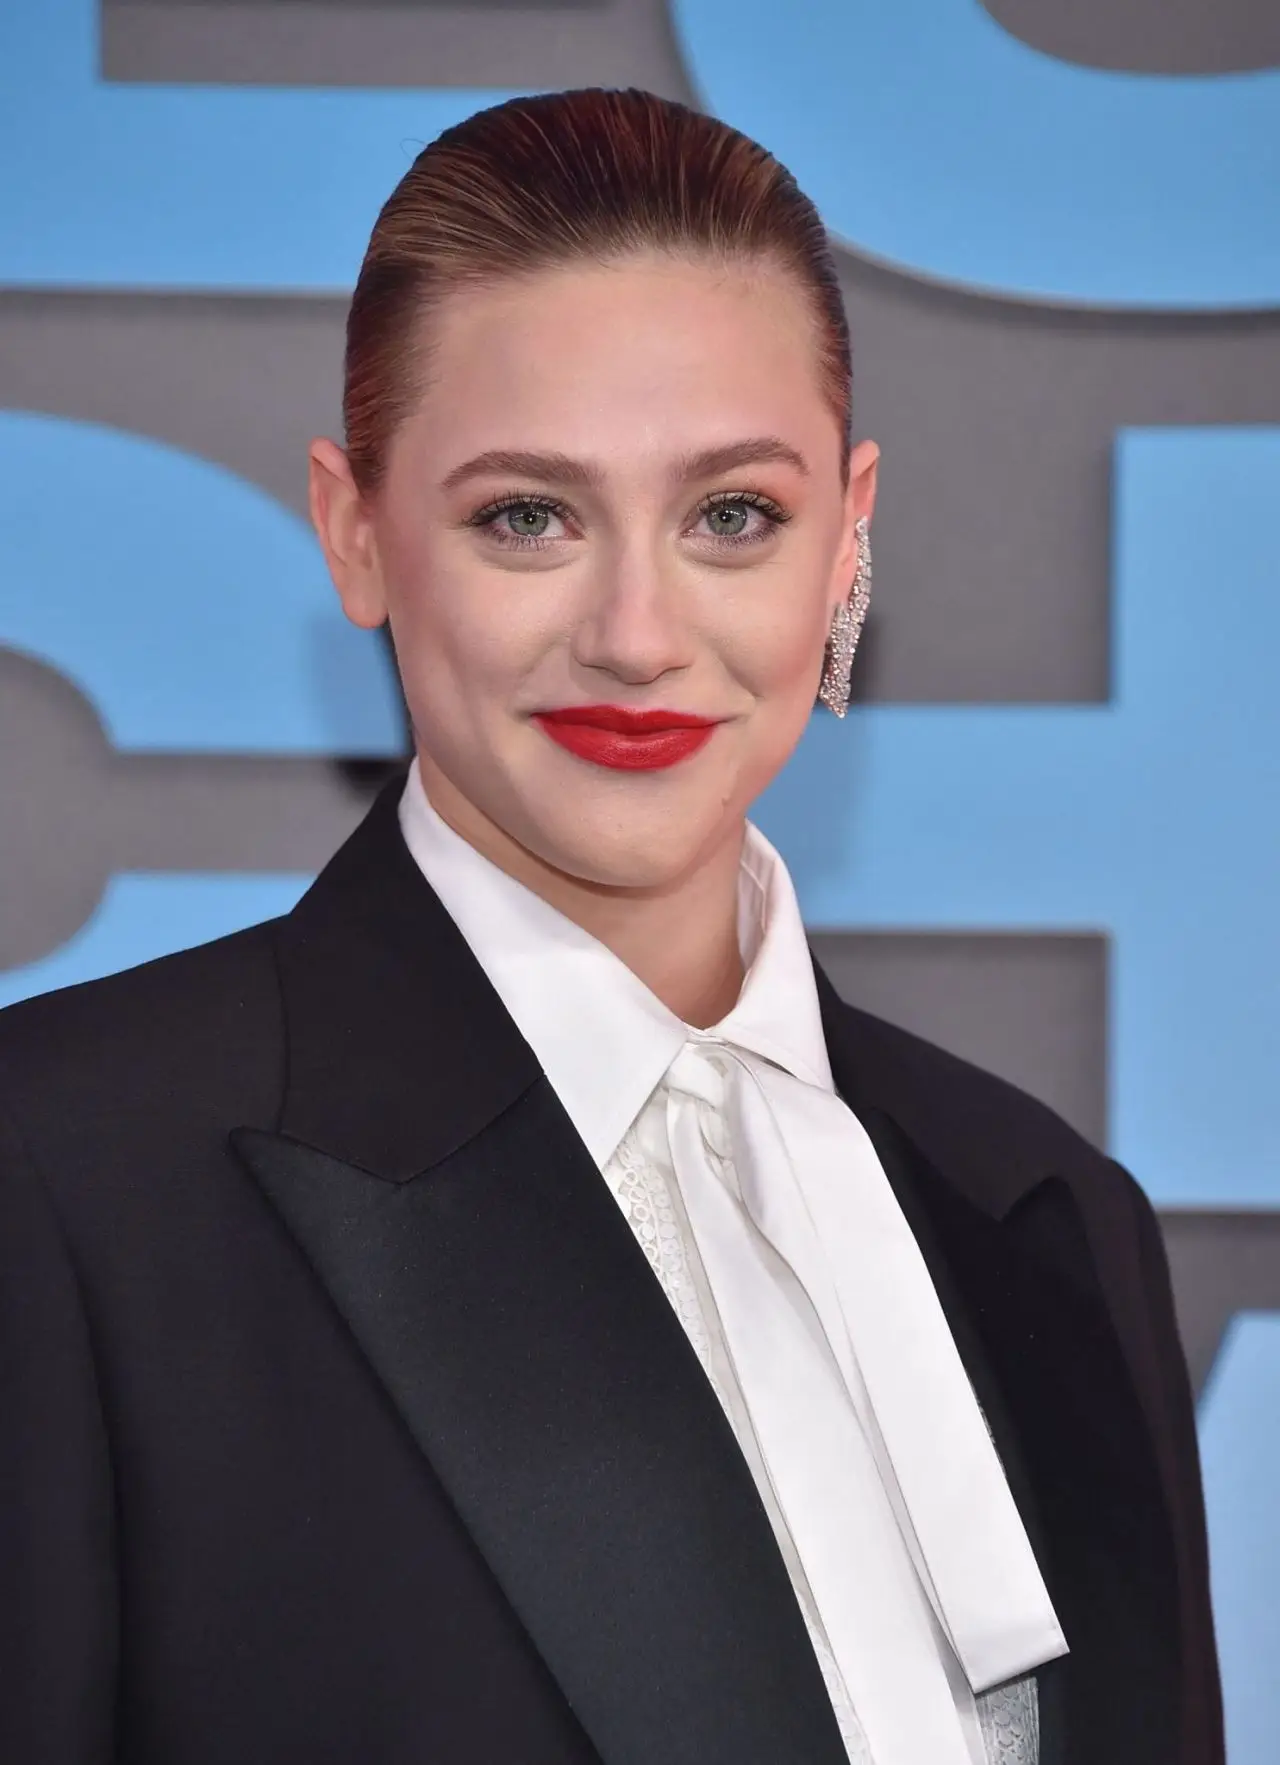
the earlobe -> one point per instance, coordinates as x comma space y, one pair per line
362, 599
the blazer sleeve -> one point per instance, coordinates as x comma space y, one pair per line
1166, 1383
58, 1623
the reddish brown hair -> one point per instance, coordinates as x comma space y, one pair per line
556, 178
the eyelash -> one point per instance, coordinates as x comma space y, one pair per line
774, 515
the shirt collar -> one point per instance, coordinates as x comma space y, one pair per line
602, 1037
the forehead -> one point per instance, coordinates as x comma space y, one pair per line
650, 351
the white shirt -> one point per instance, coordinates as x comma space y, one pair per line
762, 1208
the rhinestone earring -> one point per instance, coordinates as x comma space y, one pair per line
846, 628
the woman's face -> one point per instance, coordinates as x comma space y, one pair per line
621, 488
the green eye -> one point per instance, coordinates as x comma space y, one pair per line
517, 520
728, 519
528, 520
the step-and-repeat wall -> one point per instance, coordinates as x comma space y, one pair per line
1049, 837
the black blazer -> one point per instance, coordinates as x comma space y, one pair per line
342, 1421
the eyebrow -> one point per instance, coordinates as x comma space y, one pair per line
558, 468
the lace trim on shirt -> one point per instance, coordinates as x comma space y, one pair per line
1009, 1717
644, 1197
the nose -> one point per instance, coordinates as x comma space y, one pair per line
634, 625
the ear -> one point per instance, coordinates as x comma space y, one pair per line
344, 527
859, 501
864, 471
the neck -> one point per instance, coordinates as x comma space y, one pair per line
679, 938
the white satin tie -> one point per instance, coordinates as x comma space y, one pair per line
775, 1170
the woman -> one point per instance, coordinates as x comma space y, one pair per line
510, 1308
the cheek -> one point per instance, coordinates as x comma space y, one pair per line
462, 631
774, 650
773, 643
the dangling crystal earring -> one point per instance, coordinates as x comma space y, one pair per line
846, 629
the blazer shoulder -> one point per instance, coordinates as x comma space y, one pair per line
969, 1119
974, 1100
144, 1033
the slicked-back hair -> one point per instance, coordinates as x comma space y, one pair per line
581, 176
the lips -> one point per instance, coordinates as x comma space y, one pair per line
625, 738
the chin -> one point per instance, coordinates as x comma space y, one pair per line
625, 849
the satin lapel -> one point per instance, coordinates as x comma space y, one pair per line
504, 1303
1097, 1503
1021, 1293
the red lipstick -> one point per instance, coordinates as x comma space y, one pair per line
625, 738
